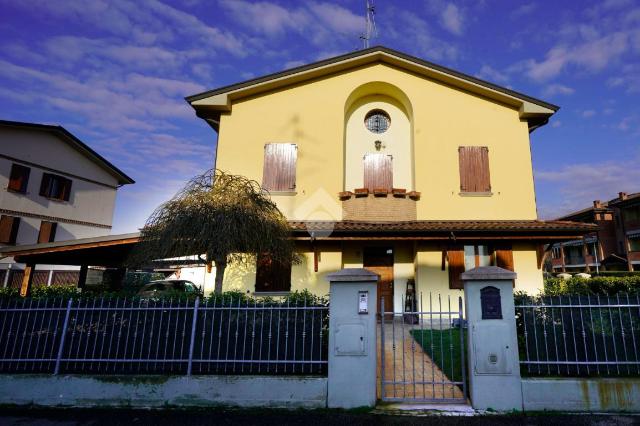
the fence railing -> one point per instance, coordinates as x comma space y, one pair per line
579, 335
120, 336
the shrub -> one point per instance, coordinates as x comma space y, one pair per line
604, 285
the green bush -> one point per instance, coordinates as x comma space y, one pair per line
604, 285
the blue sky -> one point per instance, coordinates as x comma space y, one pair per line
115, 73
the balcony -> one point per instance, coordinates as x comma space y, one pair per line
379, 204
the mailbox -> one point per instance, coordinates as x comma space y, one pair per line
490, 303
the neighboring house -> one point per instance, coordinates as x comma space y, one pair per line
385, 161
615, 245
53, 187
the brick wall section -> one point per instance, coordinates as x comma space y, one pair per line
387, 208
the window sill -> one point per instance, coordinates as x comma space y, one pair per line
282, 193
476, 194
271, 293
15, 191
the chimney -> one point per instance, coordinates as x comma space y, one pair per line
597, 204
622, 195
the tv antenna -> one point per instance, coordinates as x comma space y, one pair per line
370, 30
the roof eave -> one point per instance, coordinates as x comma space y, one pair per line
211, 103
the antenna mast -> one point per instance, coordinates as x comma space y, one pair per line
370, 24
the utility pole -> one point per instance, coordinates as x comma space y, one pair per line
370, 30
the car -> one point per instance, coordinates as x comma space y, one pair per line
169, 287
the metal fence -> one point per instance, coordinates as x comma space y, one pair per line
120, 336
579, 335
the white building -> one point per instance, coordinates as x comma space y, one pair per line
53, 187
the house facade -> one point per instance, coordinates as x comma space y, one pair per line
53, 187
615, 245
388, 162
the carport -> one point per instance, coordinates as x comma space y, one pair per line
110, 251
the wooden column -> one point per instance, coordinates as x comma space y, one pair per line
82, 278
563, 269
27, 280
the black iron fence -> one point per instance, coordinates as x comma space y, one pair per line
120, 336
579, 335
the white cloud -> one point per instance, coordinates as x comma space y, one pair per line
452, 19
588, 113
523, 10
493, 75
604, 180
411, 30
319, 22
557, 89
593, 56
556, 123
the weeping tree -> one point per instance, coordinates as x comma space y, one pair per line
226, 218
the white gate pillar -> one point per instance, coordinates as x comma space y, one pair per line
352, 338
494, 364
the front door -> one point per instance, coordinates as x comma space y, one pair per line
380, 261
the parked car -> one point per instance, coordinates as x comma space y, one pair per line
162, 288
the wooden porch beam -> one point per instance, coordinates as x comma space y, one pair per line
27, 280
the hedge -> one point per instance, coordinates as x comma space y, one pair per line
596, 285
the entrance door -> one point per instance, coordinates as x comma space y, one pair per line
380, 261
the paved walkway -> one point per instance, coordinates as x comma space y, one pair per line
405, 362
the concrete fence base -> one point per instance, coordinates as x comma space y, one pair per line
163, 391
566, 394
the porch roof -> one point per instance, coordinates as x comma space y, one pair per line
549, 231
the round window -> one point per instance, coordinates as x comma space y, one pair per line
377, 121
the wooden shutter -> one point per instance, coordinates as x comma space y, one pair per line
65, 190
47, 232
378, 171
279, 172
45, 185
455, 256
271, 275
474, 169
9, 229
504, 256
19, 178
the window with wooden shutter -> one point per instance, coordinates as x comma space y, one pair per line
9, 229
474, 169
272, 276
279, 173
455, 257
47, 232
55, 187
19, 178
378, 171
504, 256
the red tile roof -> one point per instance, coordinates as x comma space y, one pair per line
426, 226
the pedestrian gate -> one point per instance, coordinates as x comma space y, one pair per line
422, 352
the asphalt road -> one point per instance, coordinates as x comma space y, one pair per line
284, 417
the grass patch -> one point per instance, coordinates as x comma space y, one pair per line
443, 347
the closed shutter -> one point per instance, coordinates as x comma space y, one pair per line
474, 169
19, 178
504, 256
9, 229
272, 276
279, 172
47, 232
455, 256
378, 171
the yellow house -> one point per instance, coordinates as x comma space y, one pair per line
385, 161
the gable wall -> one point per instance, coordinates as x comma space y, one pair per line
312, 115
